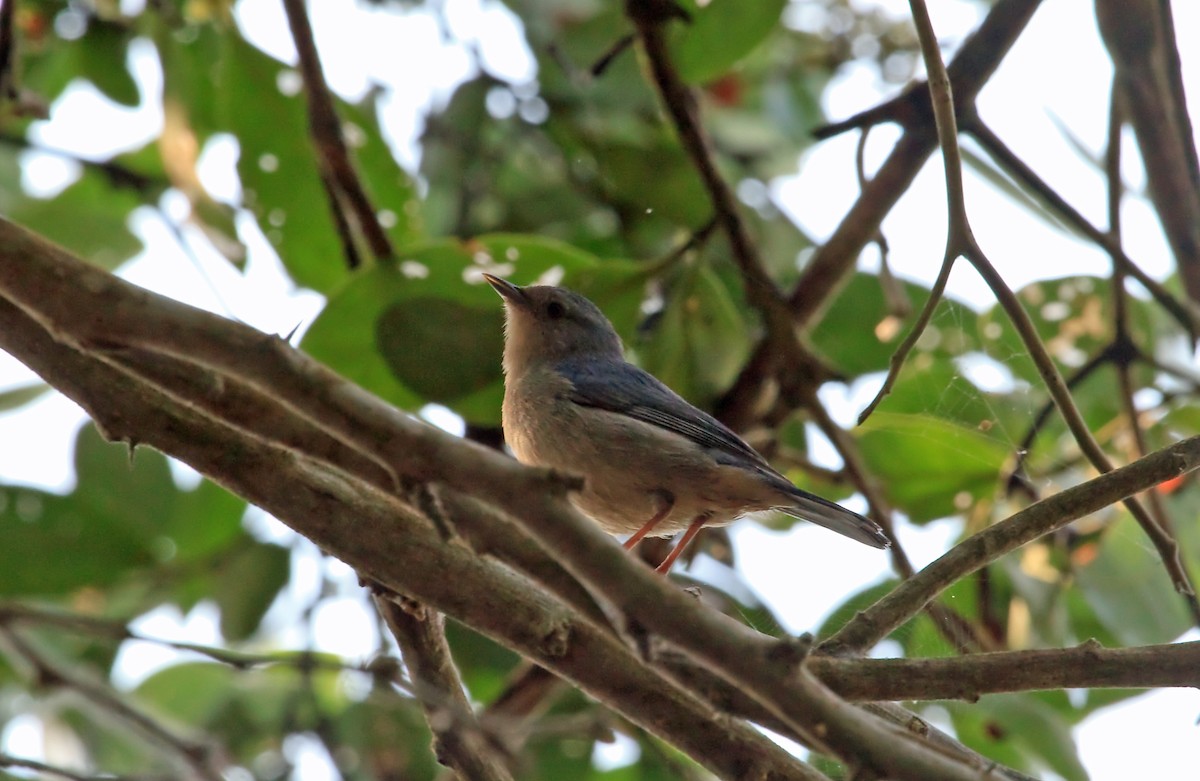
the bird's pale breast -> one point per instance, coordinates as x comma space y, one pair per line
631, 468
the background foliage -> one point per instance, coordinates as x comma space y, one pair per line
577, 177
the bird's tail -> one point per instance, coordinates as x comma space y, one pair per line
810, 507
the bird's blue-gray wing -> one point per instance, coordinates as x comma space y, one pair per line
624, 388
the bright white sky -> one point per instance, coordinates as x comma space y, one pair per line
1152, 736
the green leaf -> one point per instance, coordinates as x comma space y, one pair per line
205, 522
1128, 589
853, 605
390, 736
392, 191
247, 584
277, 165
20, 396
849, 333
278, 162
249, 711
1021, 731
55, 544
669, 189
192, 692
97, 229
485, 666
124, 517
92, 536
102, 55
700, 340
416, 331
720, 34
932, 467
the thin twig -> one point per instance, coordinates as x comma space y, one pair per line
9, 761
650, 18
194, 755
961, 243
878, 621
1184, 312
341, 181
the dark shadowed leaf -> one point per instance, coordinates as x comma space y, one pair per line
246, 584
721, 33
392, 327
700, 340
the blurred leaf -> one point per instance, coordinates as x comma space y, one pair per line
110, 518
280, 181
700, 340
850, 332
37, 527
721, 33
932, 467
389, 736
1031, 200
392, 191
409, 334
248, 710
204, 521
102, 55
122, 518
20, 396
486, 667
97, 229
108, 742
247, 584
391, 328
192, 692
854, 605
1020, 731
670, 188
1129, 590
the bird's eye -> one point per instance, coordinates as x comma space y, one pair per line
555, 310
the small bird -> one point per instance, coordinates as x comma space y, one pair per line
652, 463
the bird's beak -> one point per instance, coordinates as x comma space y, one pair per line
514, 294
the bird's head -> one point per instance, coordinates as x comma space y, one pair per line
546, 325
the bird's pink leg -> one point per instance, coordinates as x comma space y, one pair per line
668, 502
688, 535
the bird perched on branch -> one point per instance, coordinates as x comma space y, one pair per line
652, 463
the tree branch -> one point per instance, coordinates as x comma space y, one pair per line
459, 741
89, 308
389, 543
338, 176
650, 17
196, 756
878, 621
1088, 666
1137, 34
